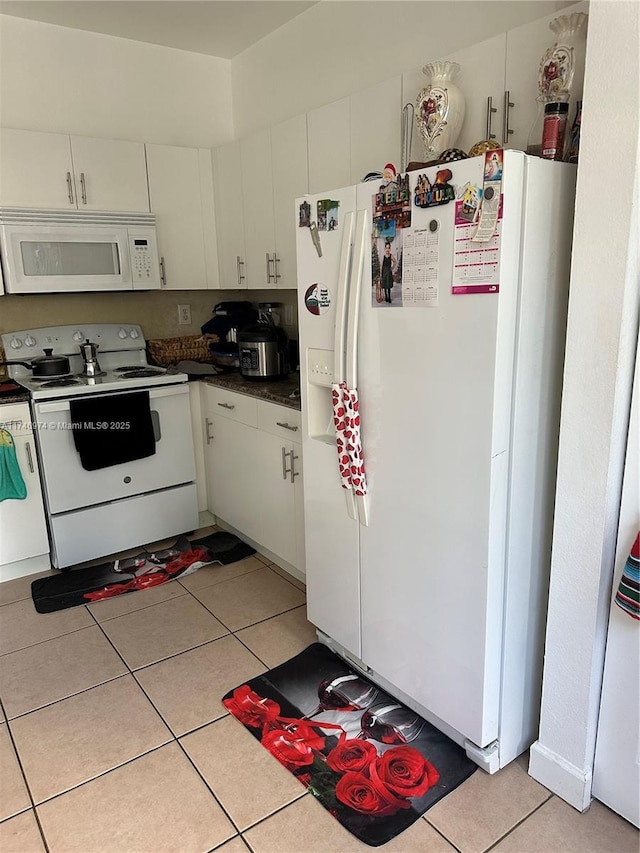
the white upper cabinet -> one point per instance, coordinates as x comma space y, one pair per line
274, 174
481, 81
375, 122
230, 216
35, 169
257, 198
181, 195
290, 181
505, 69
329, 130
52, 170
110, 174
526, 45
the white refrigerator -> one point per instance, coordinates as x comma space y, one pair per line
434, 581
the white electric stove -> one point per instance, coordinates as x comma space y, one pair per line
97, 512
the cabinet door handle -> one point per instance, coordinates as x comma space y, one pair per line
30, 457
506, 130
490, 110
227, 405
84, 188
69, 188
208, 430
163, 274
293, 471
239, 265
269, 273
276, 274
287, 426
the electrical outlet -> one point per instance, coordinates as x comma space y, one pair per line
184, 315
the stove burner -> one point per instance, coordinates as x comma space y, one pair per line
61, 383
141, 373
129, 367
54, 377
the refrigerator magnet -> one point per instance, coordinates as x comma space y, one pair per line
428, 194
317, 299
327, 214
304, 215
393, 202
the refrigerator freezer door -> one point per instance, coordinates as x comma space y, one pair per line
435, 434
331, 534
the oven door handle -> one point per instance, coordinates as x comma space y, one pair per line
155, 420
154, 394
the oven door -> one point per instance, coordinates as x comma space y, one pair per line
68, 486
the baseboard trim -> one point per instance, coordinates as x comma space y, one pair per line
572, 784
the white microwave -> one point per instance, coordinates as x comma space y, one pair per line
52, 251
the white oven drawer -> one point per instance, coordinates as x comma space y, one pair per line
69, 486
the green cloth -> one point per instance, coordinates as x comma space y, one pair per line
12, 485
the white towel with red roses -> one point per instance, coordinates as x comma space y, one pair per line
346, 419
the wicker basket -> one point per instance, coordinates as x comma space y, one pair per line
167, 351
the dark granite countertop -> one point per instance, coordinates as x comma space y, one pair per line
275, 391
12, 395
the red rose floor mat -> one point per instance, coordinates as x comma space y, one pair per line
374, 764
73, 587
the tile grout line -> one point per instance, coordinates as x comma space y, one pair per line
130, 671
29, 792
440, 833
518, 824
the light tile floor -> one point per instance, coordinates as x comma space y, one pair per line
113, 738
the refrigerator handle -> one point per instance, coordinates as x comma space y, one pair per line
342, 302
353, 311
353, 319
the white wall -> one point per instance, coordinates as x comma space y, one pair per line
336, 48
70, 81
601, 342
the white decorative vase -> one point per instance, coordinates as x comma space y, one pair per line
439, 108
561, 73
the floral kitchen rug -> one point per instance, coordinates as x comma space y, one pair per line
72, 588
374, 764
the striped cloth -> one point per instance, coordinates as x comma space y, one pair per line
628, 594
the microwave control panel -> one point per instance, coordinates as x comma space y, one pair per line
144, 259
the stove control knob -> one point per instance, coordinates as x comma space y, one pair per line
78, 336
15, 343
134, 333
30, 341
122, 333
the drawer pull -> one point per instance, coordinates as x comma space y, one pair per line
287, 426
208, 431
227, 405
30, 458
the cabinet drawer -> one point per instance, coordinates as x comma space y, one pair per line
227, 404
280, 420
16, 417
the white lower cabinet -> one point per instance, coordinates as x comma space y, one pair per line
253, 460
24, 545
